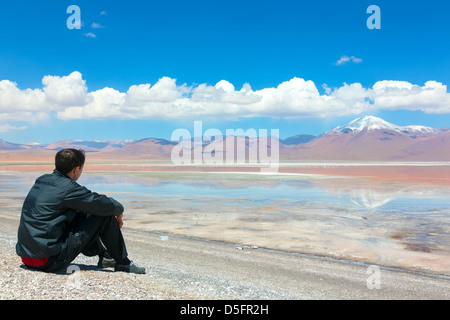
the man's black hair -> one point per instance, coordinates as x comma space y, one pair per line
67, 159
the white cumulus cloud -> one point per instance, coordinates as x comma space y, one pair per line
68, 98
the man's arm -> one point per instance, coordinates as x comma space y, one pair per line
81, 199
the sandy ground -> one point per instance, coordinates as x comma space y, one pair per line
182, 268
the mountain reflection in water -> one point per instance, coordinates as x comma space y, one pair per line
394, 223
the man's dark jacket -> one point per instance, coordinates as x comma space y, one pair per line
50, 206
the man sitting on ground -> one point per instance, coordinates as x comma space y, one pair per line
61, 219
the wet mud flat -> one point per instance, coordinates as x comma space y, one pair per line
392, 222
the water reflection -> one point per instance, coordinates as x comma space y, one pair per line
385, 222
359, 192
373, 194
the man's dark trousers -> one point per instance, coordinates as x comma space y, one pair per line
83, 236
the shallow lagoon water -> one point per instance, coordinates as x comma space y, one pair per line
381, 222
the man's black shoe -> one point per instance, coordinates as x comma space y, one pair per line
130, 268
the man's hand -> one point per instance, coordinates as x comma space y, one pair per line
120, 220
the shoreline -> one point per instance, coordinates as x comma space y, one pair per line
184, 268
404, 253
319, 257
415, 172
189, 267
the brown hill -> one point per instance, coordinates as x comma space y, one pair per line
365, 139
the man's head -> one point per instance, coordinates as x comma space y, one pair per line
70, 162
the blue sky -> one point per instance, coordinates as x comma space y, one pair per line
232, 64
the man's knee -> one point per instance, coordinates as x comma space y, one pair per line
108, 222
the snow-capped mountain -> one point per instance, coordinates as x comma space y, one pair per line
371, 123
374, 139
367, 138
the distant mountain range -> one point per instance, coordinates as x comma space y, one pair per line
77, 144
372, 138
366, 138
